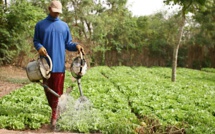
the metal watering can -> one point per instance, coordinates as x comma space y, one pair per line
79, 66
78, 69
40, 69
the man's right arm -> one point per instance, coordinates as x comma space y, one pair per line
38, 46
36, 39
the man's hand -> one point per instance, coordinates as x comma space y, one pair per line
80, 49
42, 51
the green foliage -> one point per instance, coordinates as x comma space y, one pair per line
17, 30
162, 35
5, 55
108, 26
204, 34
208, 70
24, 108
121, 97
188, 5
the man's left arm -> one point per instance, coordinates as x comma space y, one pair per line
72, 46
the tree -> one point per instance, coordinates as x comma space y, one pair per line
17, 29
109, 27
186, 7
206, 27
202, 35
4, 2
161, 36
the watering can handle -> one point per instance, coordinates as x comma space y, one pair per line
50, 61
82, 60
82, 54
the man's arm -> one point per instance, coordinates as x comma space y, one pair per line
38, 46
36, 39
71, 46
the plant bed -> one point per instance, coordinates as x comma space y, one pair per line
125, 99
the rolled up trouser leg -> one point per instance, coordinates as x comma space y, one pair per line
56, 83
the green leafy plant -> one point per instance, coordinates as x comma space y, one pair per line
125, 100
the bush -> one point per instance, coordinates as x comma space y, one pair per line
17, 28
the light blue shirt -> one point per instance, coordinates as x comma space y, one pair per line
54, 35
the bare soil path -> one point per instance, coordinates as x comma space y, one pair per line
13, 78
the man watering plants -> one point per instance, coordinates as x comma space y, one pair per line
51, 37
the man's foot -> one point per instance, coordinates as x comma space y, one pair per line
53, 124
54, 118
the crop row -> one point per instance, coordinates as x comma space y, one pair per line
122, 97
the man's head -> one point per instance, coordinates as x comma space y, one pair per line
55, 8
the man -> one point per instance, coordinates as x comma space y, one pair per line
52, 36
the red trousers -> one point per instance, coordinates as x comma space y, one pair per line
56, 83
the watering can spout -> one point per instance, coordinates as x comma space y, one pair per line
50, 90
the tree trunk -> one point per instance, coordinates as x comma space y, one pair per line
176, 48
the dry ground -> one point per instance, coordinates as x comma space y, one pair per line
13, 78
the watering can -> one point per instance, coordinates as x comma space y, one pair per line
78, 69
38, 69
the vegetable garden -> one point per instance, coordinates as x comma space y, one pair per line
125, 100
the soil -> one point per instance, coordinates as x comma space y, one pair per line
13, 78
